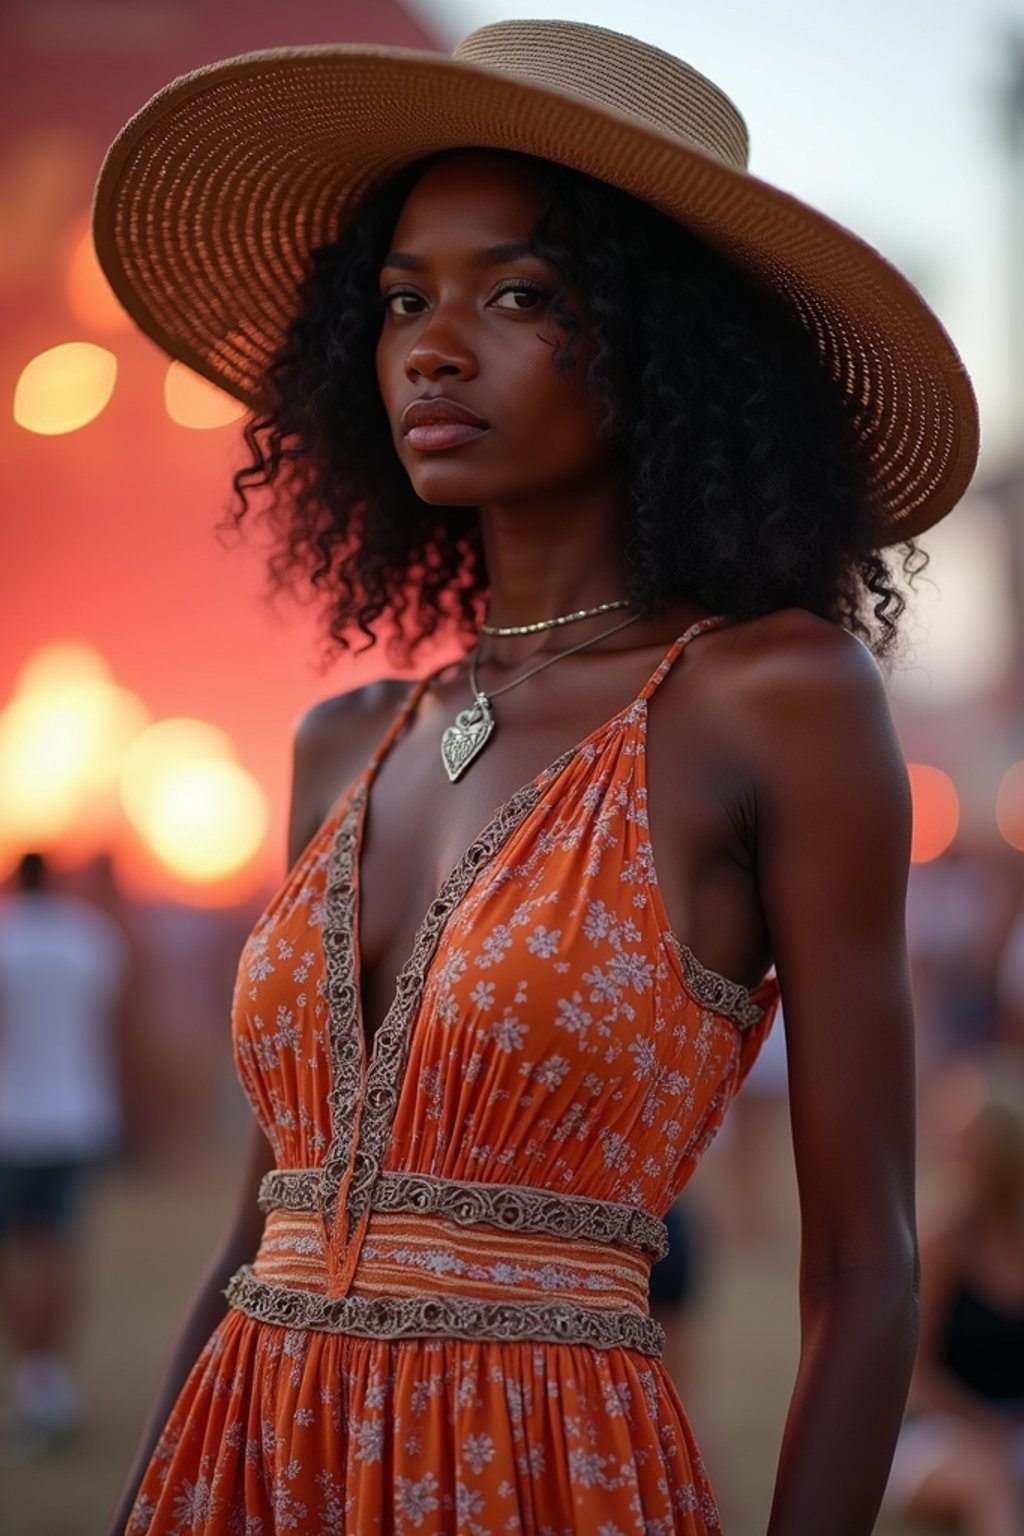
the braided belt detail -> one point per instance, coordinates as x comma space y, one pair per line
452, 1317
423, 1274
512, 1208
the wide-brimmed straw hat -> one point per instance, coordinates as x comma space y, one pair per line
212, 197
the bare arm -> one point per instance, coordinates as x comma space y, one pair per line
833, 837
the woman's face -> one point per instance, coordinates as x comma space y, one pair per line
466, 322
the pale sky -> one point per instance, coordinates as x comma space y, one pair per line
883, 114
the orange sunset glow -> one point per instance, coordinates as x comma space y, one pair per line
118, 468
202, 814
74, 745
61, 739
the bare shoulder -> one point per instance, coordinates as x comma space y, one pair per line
792, 652
336, 736
334, 741
810, 716
792, 677
345, 716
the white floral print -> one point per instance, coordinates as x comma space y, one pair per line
560, 1038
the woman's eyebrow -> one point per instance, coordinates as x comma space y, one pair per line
489, 256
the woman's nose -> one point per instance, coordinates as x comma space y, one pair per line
441, 349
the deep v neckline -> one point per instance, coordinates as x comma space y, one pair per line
367, 1080
359, 806
366, 1083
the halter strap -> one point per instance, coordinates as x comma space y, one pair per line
398, 723
676, 650
419, 688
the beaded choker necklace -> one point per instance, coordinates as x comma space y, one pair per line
556, 622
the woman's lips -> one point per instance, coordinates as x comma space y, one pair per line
431, 424
442, 434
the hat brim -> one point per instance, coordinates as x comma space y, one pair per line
212, 197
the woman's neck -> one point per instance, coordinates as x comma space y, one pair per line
554, 554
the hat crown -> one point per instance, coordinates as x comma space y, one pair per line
618, 73
213, 198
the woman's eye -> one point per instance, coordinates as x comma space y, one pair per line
523, 295
395, 301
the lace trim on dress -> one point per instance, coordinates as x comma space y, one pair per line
362, 1114
384, 1076
290, 1189
451, 1317
511, 1208
342, 999
717, 992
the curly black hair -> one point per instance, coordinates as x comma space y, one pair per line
747, 486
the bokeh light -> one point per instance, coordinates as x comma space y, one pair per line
1010, 806
160, 752
64, 388
38, 788
62, 665
204, 820
62, 740
90, 297
78, 755
193, 401
936, 811
203, 815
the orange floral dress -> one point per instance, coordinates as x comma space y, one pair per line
445, 1331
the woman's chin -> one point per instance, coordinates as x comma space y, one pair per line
439, 487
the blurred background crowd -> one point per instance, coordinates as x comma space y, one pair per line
147, 697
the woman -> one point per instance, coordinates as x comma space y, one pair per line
516, 400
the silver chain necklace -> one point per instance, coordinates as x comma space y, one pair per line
465, 739
555, 623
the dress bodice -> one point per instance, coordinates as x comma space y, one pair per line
548, 1029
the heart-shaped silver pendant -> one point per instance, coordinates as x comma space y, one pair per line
466, 739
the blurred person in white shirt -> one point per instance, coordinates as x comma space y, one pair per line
63, 972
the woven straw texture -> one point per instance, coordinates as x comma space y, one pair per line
213, 195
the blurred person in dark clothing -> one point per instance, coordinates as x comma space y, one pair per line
960, 1454
671, 1288
63, 968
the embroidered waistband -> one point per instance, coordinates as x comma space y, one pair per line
401, 1254
511, 1208
425, 1276
452, 1317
